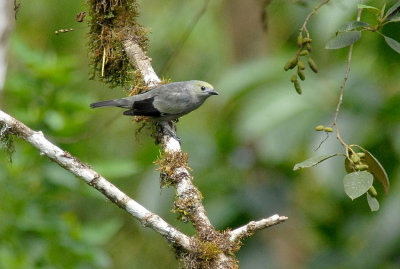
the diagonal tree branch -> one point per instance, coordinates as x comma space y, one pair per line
94, 179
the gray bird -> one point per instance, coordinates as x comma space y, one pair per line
166, 102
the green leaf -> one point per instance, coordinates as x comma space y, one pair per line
377, 170
372, 202
343, 40
393, 44
348, 26
371, 8
312, 161
395, 17
357, 183
393, 11
382, 10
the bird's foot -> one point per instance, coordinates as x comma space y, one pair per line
173, 135
167, 129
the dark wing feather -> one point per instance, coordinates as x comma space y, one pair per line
144, 107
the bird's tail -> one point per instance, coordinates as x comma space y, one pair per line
115, 102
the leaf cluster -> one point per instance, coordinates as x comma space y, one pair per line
362, 168
351, 32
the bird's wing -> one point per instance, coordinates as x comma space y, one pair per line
144, 107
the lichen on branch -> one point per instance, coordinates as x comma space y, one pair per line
7, 140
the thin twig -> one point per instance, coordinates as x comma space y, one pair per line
346, 76
16, 8
323, 141
304, 26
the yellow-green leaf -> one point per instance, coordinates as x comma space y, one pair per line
371, 8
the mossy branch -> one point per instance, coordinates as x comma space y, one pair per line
110, 22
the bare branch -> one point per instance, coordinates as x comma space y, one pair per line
248, 229
94, 179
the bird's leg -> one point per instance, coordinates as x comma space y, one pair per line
167, 129
172, 132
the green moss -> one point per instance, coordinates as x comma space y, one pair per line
168, 163
207, 251
184, 208
110, 23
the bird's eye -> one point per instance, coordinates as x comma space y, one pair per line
203, 88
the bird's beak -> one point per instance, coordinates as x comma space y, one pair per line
213, 92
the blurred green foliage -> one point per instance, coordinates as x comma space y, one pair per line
242, 145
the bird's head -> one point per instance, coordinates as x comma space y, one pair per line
205, 89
